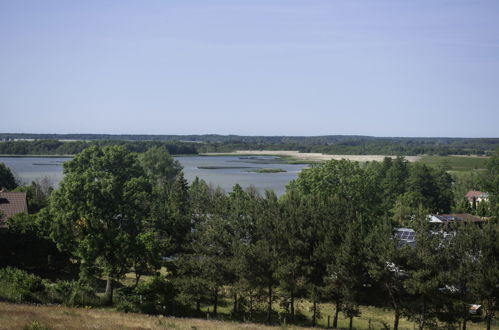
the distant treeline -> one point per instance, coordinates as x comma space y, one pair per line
55, 147
190, 144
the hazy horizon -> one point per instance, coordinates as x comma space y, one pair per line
255, 135
257, 68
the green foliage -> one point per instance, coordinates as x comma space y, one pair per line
73, 294
331, 144
328, 239
100, 211
37, 194
55, 147
26, 245
453, 163
17, 285
424, 269
7, 179
160, 168
153, 296
486, 266
491, 183
269, 170
344, 180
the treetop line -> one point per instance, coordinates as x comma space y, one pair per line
332, 237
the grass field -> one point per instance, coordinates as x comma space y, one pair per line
15, 316
456, 163
19, 316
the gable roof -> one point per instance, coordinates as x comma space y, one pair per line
475, 194
11, 203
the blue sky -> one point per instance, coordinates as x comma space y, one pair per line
259, 67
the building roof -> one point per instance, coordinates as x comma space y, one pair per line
11, 203
455, 217
475, 194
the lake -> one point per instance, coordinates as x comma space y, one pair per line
223, 171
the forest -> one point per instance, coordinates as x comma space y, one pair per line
125, 229
64, 144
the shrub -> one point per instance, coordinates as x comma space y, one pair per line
154, 296
20, 286
73, 293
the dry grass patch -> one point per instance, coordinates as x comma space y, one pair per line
17, 316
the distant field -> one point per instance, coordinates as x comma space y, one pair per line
295, 156
456, 163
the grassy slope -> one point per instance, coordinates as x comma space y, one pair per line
14, 316
18, 316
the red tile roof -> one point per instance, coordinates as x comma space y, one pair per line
474, 193
11, 203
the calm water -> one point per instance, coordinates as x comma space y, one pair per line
233, 170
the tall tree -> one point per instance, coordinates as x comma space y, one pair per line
423, 267
159, 166
491, 183
350, 269
485, 282
461, 254
100, 211
384, 260
178, 220
294, 232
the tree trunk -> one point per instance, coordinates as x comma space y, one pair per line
395, 305
198, 306
489, 319
251, 306
269, 308
422, 320
234, 308
336, 312
464, 323
137, 279
109, 291
397, 317
350, 325
215, 303
292, 306
314, 315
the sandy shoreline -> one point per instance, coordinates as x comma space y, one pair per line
311, 156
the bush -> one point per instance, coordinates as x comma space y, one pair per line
73, 294
17, 285
154, 296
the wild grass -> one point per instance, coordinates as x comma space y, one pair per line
456, 163
17, 316
268, 170
20, 316
223, 167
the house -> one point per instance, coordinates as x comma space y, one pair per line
11, 203
475, 196
455, 217
441, 223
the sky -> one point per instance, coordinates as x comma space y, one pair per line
250, 67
